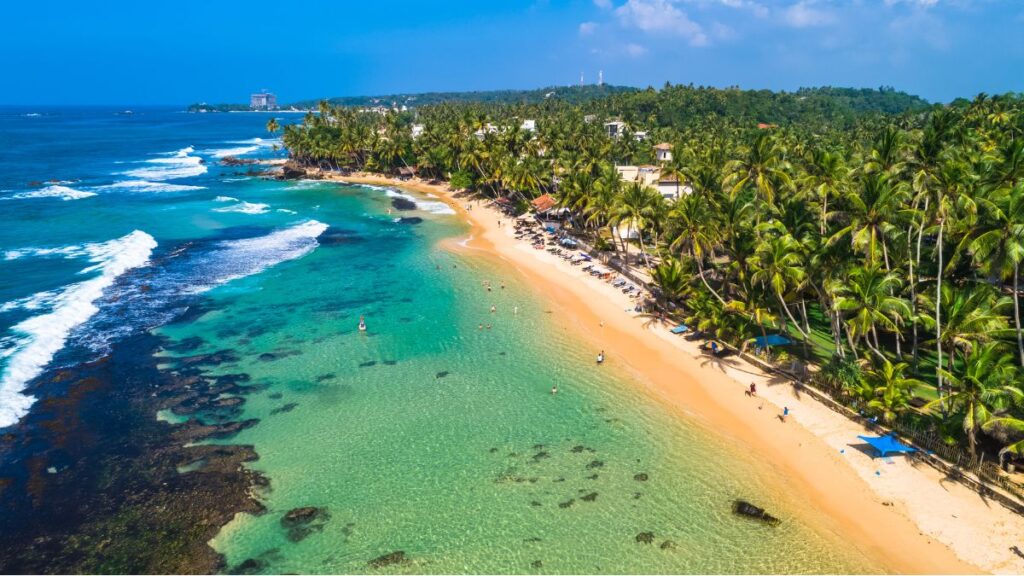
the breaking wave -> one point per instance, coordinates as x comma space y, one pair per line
54, 191
35, 340
176, 165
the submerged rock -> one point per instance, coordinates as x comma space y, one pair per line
641, 477
567, 503
667, 545
409, 220
283, 409
578, 448
442, 374
744, 508
396, 557
536, 564
249, 566
368, 364
301, 522
645, 537
589, 497
404, 204
595, 464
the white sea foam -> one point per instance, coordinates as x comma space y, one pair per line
223, 152
305, 184
37, 339
177, 165
235, 259
54, 191
247, 147
245, 208
147, 186
33, 302
63, 252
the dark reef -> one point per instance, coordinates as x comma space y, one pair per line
89, 480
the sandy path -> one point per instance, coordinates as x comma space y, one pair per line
905, 515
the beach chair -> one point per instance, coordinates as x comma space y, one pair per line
680, 329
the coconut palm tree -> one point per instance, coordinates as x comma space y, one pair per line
998, 245
865, 297
890, 389
986, 385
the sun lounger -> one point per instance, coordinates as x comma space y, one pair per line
680, 329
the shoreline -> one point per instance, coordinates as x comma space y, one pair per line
900, 514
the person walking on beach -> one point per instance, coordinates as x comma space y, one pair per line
785, 414
753, 389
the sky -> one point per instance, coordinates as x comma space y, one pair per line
117, 52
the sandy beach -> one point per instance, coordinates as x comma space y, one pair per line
903, 514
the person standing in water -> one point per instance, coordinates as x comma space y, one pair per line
600, 357
554, 389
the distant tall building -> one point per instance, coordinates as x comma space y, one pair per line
263, 101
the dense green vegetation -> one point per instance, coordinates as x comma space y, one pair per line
885, 235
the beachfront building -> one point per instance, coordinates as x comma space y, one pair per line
262, 101
417, 130
530, 125
663, 152
640, 135
668, 186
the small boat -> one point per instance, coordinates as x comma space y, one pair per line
362, 324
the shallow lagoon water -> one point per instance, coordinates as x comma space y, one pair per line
426, 434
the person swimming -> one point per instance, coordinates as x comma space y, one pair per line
362, 324
600, 357
554, 389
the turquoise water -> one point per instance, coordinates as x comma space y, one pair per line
426, 434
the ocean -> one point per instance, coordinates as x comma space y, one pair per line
428, 443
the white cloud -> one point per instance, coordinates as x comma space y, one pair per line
755, 8
587, 28
603, 4
660, 17
635, 50
804, 14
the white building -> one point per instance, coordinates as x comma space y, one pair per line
417, 130
262, 101
663, 152
615, 128
530, 125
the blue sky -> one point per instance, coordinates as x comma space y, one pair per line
115, 52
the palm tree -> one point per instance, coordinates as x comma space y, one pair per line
826, 176
778, 267
973, 315
866, 298
636, 207
871, 213
671, 278
890, 389
763, 168
998, 245
985, 386
691, 217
